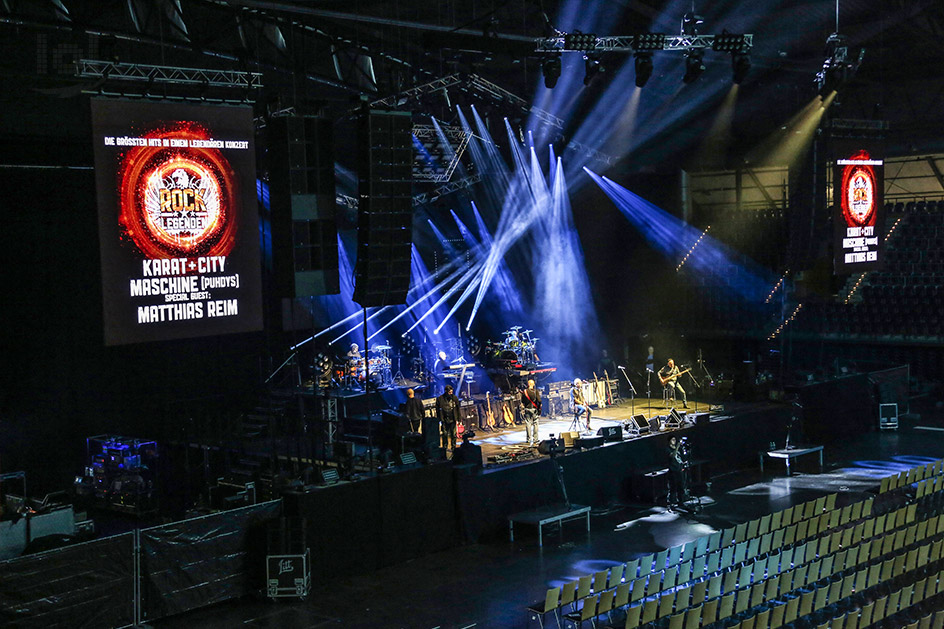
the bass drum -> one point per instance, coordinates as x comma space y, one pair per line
508, 355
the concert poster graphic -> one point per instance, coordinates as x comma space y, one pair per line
858, 182
178, 221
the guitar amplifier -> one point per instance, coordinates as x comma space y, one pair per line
469, 413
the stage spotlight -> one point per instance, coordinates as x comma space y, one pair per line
592, 68
839, 67
690, 23
580, 41
729, 42
649, 41
740, 66
643, 68
693, 65
551, 68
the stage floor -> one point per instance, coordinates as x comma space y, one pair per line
513, 441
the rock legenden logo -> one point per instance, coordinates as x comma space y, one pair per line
858, 192
175, 199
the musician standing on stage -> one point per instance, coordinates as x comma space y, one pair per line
413, 410
669, 375
577, 403
530, 409
447, 408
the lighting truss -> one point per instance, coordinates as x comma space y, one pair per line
424, 197
447, 188
167, 75
644, 41
345, 200
401, 98
590, 152
428, 136
474, 84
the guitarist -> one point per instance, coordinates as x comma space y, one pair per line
577, 402
530, 409
669, 377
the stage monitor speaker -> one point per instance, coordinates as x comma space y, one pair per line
641, 423
675, 419
611, 433
551, 446
588, 442
385, 208
655, 423
701, 419
301, 206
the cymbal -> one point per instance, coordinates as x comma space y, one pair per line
528, 331
380, 348
515, 327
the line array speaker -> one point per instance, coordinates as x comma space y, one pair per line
302, 206
385, 208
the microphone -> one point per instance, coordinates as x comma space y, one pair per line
621, 367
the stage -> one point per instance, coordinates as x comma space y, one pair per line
508, 443
380, 519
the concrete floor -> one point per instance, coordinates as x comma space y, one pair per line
489, 584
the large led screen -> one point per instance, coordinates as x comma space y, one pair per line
858, 193
178, 221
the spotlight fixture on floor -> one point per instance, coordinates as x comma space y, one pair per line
643, 68
694, 65
551, 68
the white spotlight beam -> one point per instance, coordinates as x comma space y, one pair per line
426, 296
359, 324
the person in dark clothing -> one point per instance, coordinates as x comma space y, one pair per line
606, 364
447, 409
468, 453
530, 409
413, 410
676, 474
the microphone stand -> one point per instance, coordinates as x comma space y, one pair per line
632, 389
697, 386
649, 391
279, 368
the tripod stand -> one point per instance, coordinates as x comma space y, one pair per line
693, 503
398, 378
575, 424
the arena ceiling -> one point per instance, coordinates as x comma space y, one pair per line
328, 55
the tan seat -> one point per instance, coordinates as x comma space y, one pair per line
551, 604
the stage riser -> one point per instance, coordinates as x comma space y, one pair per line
376, 522
601, 476
355, 528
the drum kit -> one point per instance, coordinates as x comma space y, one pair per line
516, 346
378, 366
